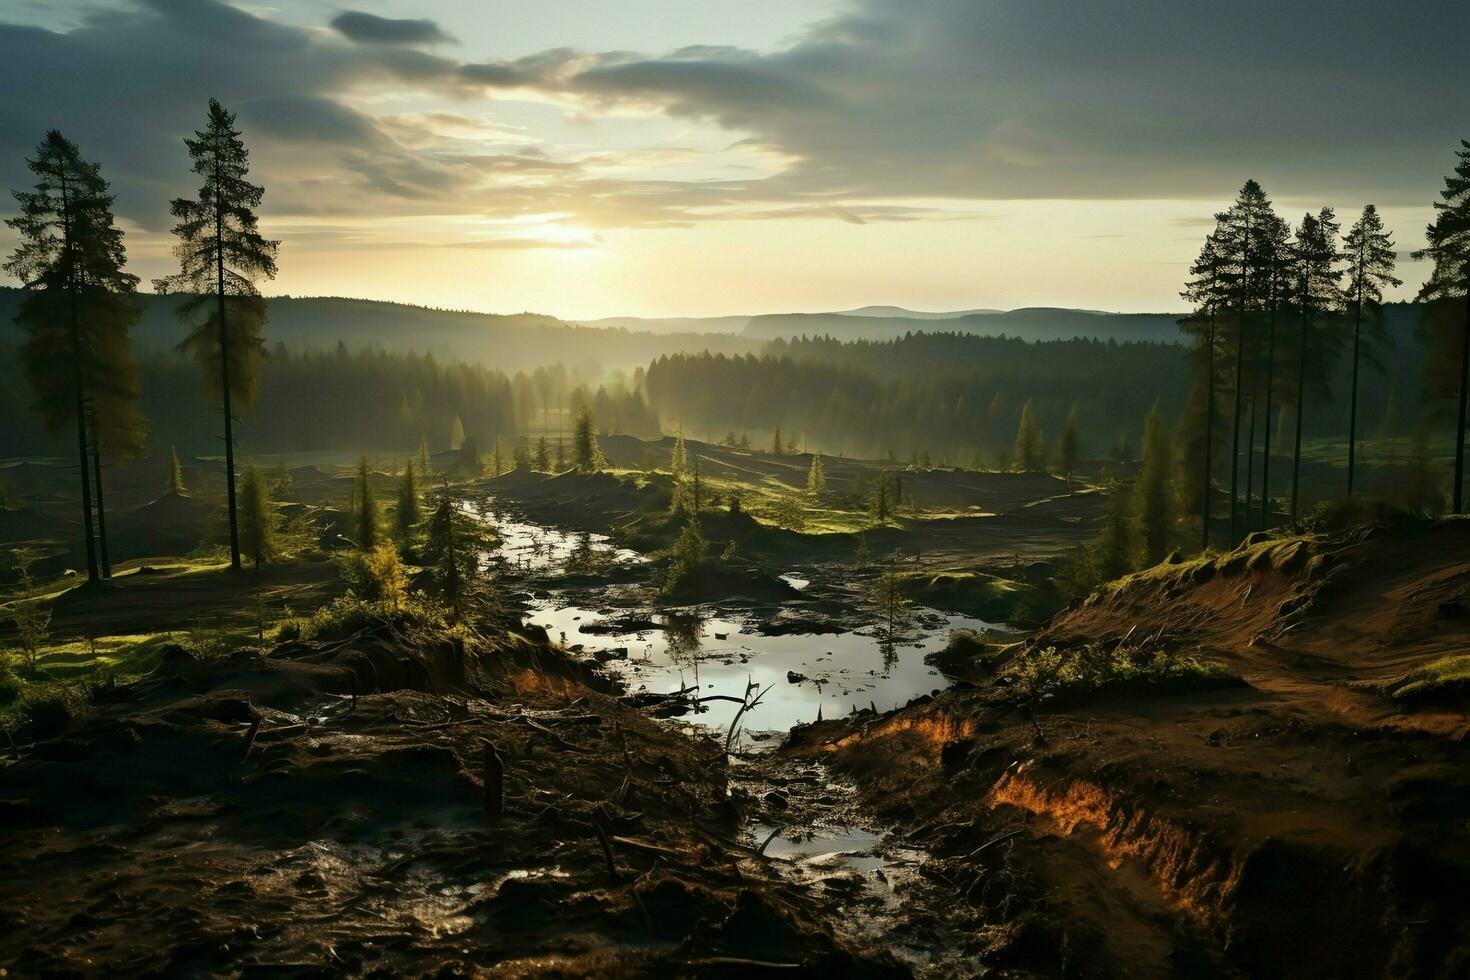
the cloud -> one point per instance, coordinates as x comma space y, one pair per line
529, 243
889, 103
987, 100
367, 28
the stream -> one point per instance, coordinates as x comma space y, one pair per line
804, 676
720, 648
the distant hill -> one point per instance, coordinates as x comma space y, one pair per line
673, 324
898, 312
507, 342
1036, 323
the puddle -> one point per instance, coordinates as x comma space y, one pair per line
802, 673
528, 547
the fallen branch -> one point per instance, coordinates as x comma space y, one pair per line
494, 798
607, 851
744, 707
250, 735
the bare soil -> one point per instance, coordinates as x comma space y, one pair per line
1301, 824
333, 807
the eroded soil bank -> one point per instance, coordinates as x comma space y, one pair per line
1307, 817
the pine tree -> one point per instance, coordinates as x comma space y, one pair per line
1449, 247
407, 515
1027, 457
456, 434
1277, 257
1114, 550
221, 253
497, 461
776, 448
1067, 446
880, 499
441, 551
1316, 296
1371, 256
257, 518
77, 310
282, 485
1243, 251
561, 453
1418, 485
1154, 491
175, 473
426, 467
584, 443
543, 455
367, 509
1209, 291
696, 488
816, 478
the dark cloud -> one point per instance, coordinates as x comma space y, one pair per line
957, 100
1050, 98
367, 28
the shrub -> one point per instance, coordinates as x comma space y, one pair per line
10, 686
687, 555
375, 576
1048, 673
1444, 679
49, 709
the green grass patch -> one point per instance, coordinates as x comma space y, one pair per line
977, 593
1445, 679
129, 654
1057, 674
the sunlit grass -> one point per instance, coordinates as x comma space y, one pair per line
1445, 677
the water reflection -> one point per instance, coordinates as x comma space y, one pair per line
830, 673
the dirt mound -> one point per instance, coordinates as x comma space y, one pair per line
392, 804
584, 501
1302, 823
172, 511
26, 524
1372, 602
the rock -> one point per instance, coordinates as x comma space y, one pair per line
793, 677
776, 800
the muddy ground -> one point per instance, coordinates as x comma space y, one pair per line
393, 803
322, 808
1301, 822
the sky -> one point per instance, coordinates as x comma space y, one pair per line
586, 158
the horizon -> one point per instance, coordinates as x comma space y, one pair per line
668, 160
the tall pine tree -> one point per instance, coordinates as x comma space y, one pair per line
1208, 290
1317, 297
221, 253
1242, 237
1371, 256
77, 311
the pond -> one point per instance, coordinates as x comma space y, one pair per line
801, 676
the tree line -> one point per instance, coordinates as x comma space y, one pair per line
1278, 310
943, 396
